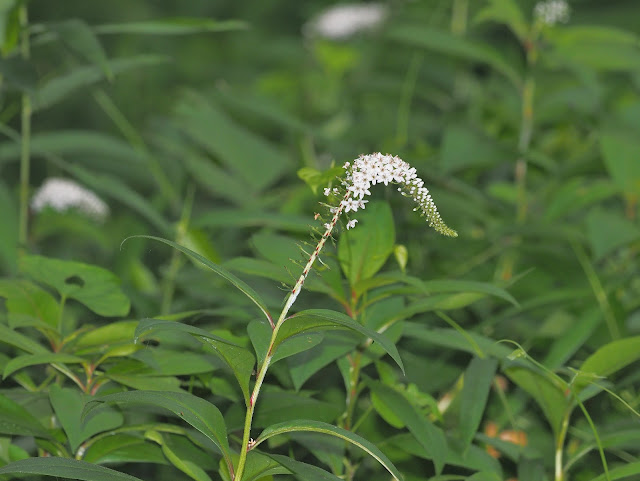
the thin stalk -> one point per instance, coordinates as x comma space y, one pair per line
459, 17
262, 372
352, 394
559, 469
168, 288
25, 142
137, 142
598, 290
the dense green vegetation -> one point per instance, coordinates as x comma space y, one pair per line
163, 168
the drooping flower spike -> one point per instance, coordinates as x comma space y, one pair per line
360, 176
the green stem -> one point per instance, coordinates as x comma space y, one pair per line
168, 288
25, 152
246, 436
459, 17
559, 470
352, 394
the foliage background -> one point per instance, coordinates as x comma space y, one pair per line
202, 140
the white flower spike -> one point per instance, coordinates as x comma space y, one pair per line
64, 194
360, 175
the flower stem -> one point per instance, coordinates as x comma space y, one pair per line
25, 153
262, 372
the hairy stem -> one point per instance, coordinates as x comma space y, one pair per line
262, 372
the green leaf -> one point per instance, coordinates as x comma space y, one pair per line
241, 285
16, 420
242, 152
322, 319
123, 448
13, 338
620, 151
594, 46
448, 44
171, 26
279, 406
545, 393
20, 362
475, 393
507, 12
179, 460
29, 305
566, 345
197, 412
363, 251
305, 364
260, 334
65, 468
8, 229
464, 147
452, 339
609, 359
96, 288
625, 471
79, 37
113, 187
113, 333
460, 286
317, 179
608, 230
68, 404
58, 88
320, 427
258, 467
304, 471
429, 436
240, 360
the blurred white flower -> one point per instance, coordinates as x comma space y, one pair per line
64, 194
551, 12
343, 21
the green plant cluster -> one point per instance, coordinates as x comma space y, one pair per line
149, 331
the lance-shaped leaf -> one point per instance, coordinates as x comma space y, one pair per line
222, 272
304, 471
68, 404
608, 359
19, 362
16, 420
429, 436
197, 412
65, 468
324, 319
236, 357
320, 427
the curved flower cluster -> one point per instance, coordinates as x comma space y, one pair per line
372, 169
551, 12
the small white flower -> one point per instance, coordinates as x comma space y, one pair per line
327, 226
64, 194
343, 21
551, 12
352, 223
327, 191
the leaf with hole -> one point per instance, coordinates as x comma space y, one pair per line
93, 286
